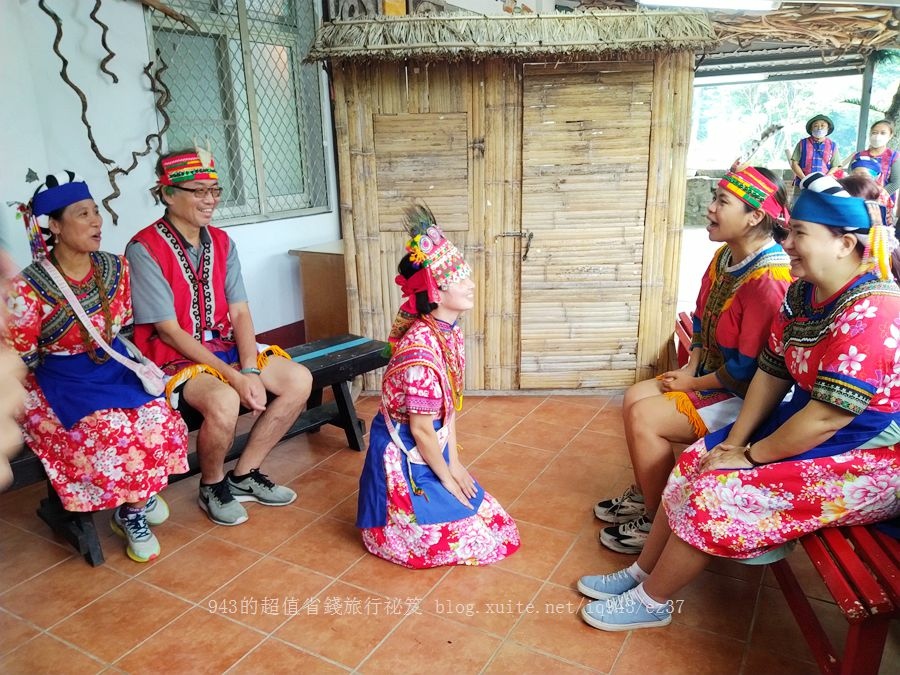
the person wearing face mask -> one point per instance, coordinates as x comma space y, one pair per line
816, 152
888, 159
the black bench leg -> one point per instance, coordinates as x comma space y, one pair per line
76, 528
314, 401
354, 427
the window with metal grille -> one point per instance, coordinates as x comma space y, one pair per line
239, 85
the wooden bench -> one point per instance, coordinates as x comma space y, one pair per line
860, 566
332, 361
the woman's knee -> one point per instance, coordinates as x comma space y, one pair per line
639, 391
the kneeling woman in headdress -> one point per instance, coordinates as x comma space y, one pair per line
418, 505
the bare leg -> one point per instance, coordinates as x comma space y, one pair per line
654, 424
660, 533
291, 383
220, 405
634, 393
679, 564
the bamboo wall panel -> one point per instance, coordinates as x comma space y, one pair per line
669, 138
561, 150
585, 153
418, 131
422, 157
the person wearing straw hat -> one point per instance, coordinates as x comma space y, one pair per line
828, 457
816, 152
192, 318
418, 506
740, 292
103, 440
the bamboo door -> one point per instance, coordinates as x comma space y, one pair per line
585, 154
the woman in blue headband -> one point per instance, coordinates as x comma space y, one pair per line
828, 457
104, 441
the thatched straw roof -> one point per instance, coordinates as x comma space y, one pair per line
562, 36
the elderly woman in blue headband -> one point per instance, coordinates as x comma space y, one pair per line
825, 458
103, 440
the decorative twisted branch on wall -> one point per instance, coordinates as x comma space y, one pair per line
157, 86
64, 74
163, 95
109, 52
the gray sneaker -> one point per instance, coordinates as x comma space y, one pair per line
628, 537
156, 510
628, 506
257, 487
219, 504
142, 544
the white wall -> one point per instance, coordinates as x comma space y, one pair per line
41, 129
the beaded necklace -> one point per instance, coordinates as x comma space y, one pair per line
454, 371
81, 289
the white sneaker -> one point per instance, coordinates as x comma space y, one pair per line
628, 506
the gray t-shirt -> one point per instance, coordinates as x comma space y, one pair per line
151, 294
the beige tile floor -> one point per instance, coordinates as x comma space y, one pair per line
293, 590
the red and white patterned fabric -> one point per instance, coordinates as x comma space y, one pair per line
111, 456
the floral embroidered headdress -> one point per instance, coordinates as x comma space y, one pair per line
439, 264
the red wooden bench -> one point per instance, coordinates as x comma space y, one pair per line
860, 567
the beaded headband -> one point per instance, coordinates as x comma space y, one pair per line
188, 166
755, 190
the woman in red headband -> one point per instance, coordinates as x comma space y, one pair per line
740, 293
828, 457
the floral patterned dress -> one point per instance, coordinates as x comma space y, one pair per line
844, 351
103, 441
405, 513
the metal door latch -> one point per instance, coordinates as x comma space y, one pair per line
527, 235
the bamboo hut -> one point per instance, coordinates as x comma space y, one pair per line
552, 150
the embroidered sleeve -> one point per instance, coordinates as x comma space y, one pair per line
857, 355
423, 391
756, 305
25, 317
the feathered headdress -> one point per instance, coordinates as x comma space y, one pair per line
438, 264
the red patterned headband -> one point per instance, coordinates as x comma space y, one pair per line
755, 190
188, 166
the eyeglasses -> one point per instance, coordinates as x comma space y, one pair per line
201, 193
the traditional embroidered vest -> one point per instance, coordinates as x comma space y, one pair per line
200, 303
816, 156
886, 159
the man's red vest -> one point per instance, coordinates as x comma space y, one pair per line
200, 303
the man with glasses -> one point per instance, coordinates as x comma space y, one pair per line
192, 318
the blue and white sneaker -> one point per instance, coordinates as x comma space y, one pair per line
624, 612
603, 586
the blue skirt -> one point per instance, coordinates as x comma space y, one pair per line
437, 505
76, 387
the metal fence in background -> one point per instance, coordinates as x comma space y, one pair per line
239, 85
